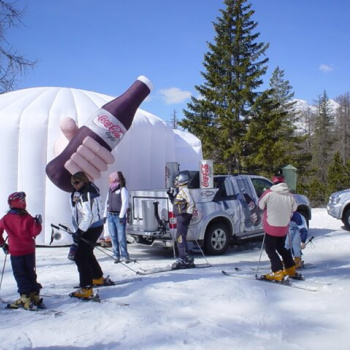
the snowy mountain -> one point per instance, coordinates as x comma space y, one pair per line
305, 110
303, 106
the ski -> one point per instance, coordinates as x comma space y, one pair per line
126, 281
310, 281
49, 312
286, 282
110, 283
93, 299
42, 311
167, 268
242, 269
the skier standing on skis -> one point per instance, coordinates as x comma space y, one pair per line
183, 206
278, 205
296, 237
21, 229
87, 218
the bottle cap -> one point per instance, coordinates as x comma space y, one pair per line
146, 81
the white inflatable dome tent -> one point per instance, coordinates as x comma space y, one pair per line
29, 133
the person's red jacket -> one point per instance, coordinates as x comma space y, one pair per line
21, 230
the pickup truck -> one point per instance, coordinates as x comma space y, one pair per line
338, 206
223, 214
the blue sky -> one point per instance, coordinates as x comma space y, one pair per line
104, 45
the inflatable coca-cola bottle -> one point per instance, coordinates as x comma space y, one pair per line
107, 126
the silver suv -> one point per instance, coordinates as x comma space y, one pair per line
339, 207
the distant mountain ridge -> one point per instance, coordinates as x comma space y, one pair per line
303, 106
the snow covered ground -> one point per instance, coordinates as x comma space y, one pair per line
190, 309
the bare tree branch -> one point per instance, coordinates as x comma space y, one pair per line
12, 64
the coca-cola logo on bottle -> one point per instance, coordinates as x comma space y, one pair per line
114, 130
205, 172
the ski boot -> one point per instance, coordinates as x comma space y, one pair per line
274, 276
82, 293
189, 261
298, 263
24, 301
37, 301
102, 281
179, 264
292, 273
125, 260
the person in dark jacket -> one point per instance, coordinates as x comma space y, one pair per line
87, 221
21, 229
116, 207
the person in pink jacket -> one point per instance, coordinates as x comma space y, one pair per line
21, 229
278, 205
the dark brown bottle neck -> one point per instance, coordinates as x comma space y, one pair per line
125, 106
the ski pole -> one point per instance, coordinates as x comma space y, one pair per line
174, 245
101, 250
68, 230
262, 245
290, 243
309, 241
3, 268
201, 250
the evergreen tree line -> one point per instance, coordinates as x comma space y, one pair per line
245, 128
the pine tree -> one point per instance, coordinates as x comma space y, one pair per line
264, 152
343, 126
337, 176
322, 139
293, 139
233, 73
272, 140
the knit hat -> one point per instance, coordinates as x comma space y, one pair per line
113, 177
114, 180
277, 179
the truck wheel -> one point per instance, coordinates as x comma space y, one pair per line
346, 219
217, 239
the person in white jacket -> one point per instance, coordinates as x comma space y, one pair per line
87, 221
278, 205
117, 203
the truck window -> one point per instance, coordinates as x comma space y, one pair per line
221, 194
261, 185
244, 186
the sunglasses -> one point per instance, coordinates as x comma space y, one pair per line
74, 183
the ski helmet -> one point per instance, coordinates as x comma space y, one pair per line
17, 200
183, 178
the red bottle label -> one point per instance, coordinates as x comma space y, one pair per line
108, 127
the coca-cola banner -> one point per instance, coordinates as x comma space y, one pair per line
206, 173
